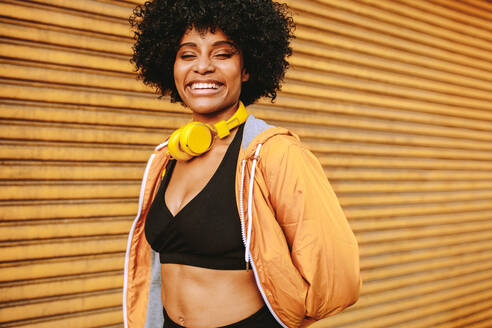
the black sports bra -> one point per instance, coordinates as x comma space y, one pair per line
207, 231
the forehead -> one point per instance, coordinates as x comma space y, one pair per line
204, 37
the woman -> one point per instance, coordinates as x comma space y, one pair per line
237, 224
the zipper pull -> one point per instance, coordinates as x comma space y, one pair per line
247, 265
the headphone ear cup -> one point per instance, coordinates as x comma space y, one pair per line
196, 138
173, 146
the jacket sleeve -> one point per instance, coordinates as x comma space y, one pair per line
322, 245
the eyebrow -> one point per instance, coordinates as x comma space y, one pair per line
217, 43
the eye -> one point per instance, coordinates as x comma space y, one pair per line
187, 56
224, 54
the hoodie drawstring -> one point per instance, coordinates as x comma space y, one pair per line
247, 237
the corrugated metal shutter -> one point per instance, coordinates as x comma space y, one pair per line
397, 96
393, 96
76, 130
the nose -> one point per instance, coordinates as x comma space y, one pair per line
204, 65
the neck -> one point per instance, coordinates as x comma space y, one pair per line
212, 118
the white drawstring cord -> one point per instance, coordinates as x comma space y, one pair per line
250, 204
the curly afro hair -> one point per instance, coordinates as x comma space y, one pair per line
261, 29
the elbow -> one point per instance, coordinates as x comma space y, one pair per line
346, 287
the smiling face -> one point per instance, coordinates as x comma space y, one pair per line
208, 73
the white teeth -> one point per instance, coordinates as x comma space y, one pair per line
204, 86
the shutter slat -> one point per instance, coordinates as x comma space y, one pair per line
44, 230
60, 305
59, 267
57, 286
93, 318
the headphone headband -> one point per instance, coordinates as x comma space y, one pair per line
196, 138
223, 128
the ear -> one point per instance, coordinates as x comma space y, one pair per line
244, 75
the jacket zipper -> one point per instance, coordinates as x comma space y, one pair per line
247, 239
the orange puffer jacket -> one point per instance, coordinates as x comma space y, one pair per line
302, 251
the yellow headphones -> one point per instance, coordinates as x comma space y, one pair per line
196, 138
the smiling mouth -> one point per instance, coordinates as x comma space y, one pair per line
204, 86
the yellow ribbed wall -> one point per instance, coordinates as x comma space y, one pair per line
393, 96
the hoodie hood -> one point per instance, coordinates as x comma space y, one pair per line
257, 132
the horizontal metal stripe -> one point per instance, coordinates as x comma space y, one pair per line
455, 19
473, 58
478, 6
332, 18
413, 198
366, 48
391, 162
120, 10
36, 289
421, 289
36, 191
406, 8
48, 230
402, 133
356, 97
383, 89
86, 79
456, 299
60, 305
326, 51
102, 135
483, 324
63, 247
70, 171
396, 151
362, 71
400, 259
426, 177
416, 269
88, 98
57, 56
59, 267
382, 211
71, 153
384, 315
429, 274
49, 35
422, 245
417, 233
425, 221
97, 116
463, 10
470, 313
22, 10
478, 315
400, 18
354, 186
73, 209
109, 317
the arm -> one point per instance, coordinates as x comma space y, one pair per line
322, 245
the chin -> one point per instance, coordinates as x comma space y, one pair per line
209, 106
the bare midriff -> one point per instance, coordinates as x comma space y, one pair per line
198, 297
